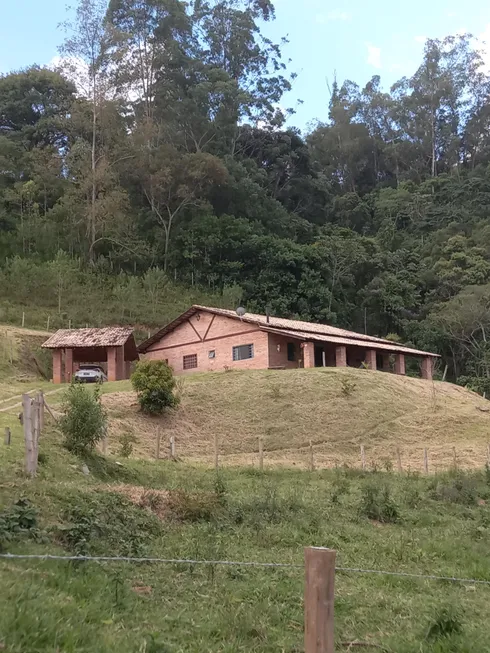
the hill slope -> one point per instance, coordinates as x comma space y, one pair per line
337, 409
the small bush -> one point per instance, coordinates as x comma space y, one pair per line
17, 521
84, 422
126, 441
377, 503
461, 489
154, 384
347, 387
186, 507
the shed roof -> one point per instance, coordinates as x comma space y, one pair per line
277, 324
77, 338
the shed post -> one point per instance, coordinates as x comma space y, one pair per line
427, 368
319, 600
68, 365
57, 366
112, 363
309, 354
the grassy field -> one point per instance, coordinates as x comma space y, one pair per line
337, 409
376, 520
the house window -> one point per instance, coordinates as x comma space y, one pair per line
291, 351
242, 352
212, 353
190, 361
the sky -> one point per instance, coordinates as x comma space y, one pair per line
353, 40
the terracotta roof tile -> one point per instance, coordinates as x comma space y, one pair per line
105, 337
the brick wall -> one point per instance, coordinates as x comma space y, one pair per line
278, 352
212, 333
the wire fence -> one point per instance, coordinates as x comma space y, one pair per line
234, 563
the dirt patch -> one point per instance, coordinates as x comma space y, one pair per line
156, 501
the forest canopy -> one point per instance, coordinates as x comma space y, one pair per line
157, 161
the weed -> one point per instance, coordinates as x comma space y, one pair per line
105, 522
126, 441
460, 489
20, 520
377, 503
347, 387
445, 624
186, 507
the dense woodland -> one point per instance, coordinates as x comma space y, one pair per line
155, 167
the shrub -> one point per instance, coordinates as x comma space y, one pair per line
17, 521
347, 387
377, 503
154, 383
84, 422
126, 441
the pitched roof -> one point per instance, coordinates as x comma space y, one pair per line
76, 338
301, 329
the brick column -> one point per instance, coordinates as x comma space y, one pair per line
427, 368
120, 363
112, 363
371, 359
57, 366
386, 363
309, 354
400, 364
68, 365
341, 356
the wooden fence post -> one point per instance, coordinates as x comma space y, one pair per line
261, 453
47, 324
363, 457
319, 600
488, 455
426, 461
28, 435
159, 435
23, 319
172, 447
399, 460
312, 460
455, 459
216, 453
69, 324
40, 403
8, 436
105, 441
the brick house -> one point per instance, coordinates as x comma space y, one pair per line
207, 339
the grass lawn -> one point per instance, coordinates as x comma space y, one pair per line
434, 525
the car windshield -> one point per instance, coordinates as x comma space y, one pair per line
91, 367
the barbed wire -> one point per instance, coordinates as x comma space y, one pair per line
234, 563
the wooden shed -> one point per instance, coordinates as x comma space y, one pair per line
112, 347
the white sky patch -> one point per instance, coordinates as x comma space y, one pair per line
333, 16
373, 55
420, 39
484, 43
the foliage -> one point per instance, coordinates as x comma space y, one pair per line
20, 520
126, 441
104, 522
154, 383
446, 623
347, 387
377, 503
84, 420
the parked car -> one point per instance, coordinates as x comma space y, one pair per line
90, 374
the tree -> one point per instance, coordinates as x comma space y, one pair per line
154, 384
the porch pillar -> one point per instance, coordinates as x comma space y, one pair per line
120, 363
341, 356
371, 359
309, 354
427, 368
68, 365
57, 366
400, 364
112, 363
